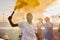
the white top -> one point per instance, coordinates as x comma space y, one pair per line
1, 39
28, 31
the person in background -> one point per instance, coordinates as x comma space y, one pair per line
48, 32
5, 37
39, 30
1, 33
29, 29
59, 30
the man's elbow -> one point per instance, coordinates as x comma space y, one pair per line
13, 25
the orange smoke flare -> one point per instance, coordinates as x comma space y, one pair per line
22, 3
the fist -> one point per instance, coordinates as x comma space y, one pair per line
10, 17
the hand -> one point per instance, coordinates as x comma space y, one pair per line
10, 17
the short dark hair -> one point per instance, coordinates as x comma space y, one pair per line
29, 14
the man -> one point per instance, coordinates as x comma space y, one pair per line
48, 29
28, 28
39, 30
5, 37
59, 30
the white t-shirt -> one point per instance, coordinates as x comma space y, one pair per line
1, 39
28, 31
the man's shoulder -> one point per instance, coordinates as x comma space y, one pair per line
34, 23
21, 22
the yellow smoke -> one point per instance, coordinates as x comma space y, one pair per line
22, 3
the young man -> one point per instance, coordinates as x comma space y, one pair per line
5, 37
39, 30
48, 29
59, 30
28, 28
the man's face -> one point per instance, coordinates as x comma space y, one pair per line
29, 17
47, 19
40, 20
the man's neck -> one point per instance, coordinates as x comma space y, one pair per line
30, 22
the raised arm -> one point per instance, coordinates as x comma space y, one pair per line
10, 20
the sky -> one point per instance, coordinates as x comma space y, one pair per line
6, 8
53, 10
